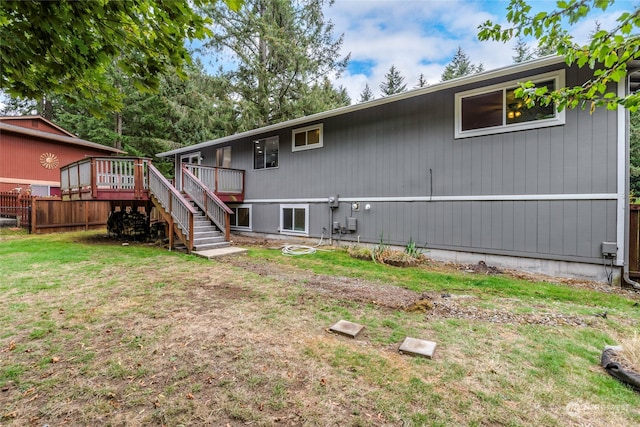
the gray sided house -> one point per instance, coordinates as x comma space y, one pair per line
459, 167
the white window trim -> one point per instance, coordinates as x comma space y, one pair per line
190, 156
306, 219
238, 227
559, 119
306, 129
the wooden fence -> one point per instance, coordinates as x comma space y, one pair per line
51, 215
54, 215
16, 205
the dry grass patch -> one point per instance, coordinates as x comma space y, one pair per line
138, 336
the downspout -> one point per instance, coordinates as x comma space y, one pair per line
623, 161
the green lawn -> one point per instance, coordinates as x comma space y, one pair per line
96, 333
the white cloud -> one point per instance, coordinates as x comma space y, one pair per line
422, 37
418, 37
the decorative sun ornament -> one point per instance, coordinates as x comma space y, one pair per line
49, 160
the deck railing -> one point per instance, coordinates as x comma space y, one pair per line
219, 180
174, 203
213, 207
105, 174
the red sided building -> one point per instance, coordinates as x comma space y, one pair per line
32, 149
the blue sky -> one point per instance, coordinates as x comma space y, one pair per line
421, 36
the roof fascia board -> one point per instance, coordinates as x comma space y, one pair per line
36, 117
460, 81
58, 138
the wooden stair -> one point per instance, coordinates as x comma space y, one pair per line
205, 234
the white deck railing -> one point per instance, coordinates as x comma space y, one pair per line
173, 202
219, 180
211, 205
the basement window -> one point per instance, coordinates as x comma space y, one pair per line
307, 138
241, 217
294, 219
265, 153
495, 109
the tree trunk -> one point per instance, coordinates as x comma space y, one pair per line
118, 130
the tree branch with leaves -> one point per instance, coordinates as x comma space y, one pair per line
65, 47
608, 52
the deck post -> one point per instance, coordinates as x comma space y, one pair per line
137, 178
216, 181
34, 211
191, 233
243, 186
170, 219
205, 204
227, 227
94, 186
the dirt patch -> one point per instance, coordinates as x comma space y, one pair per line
480, 268
433, 304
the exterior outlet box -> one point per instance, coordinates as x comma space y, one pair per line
334, 201
336, 226
609, 249
352, 224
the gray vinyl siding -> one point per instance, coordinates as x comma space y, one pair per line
388, 151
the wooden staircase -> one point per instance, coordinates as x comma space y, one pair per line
205, 234
196, 216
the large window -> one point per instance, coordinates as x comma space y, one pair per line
495, 109
294, 219
307, 138
241, 217
265, 153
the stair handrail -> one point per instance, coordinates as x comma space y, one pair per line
173, 202
214, 208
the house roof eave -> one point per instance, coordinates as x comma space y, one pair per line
57, 138
460, 81
36, 117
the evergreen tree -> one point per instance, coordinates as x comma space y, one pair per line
282, 49
394, 82
460, 66
522, 50
182, 112
422, 82
545, 49
367, 94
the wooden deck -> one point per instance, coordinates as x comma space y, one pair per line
135, 181
105, 178
127, 178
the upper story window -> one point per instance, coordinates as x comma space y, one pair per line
265, 153
495, 109
307, 138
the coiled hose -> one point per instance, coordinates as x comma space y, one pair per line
294, 250
298, 250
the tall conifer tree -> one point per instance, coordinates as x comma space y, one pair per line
280, 49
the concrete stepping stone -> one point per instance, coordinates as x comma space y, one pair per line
416, 347
347, 328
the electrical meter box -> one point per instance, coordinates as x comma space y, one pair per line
334, 201
609, 249
352, 224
